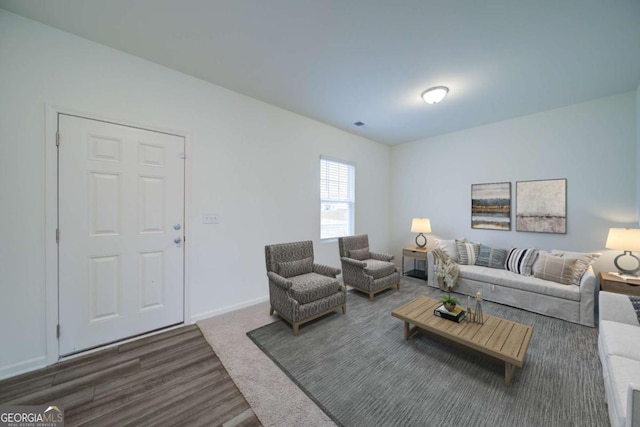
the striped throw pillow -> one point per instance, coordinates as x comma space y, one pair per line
489, 257
467, 252
555, 268
521, 260
583, 261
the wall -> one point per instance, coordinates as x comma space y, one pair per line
638, 154
255, 165
592, 144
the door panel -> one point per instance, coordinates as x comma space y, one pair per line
104, 203
151, 279
105, 283
121, 190
151, 203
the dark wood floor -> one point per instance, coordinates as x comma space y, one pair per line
169, 379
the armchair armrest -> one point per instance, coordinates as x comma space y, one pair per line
279, 280
326, 270
353, 262
381, 256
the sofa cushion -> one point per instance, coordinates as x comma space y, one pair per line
620, 339
521, 260
622, 372
489, 257
295, 268
518, 281
448, 247
378, 269
360, 254
555, 268
583, 261
312, 286
467, 252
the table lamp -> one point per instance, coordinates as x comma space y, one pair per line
421, 225
626, 240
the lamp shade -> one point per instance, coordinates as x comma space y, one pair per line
435, 94
421, 225
624, 239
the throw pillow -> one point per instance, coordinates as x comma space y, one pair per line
583, 261
489, 257
359, 254
555, 268
295, 268
448, 247
520, 260
467, 252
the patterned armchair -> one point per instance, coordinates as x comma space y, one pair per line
300, 290
364, 270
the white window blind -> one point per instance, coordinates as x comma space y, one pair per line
337, 198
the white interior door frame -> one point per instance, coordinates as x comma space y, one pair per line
51, 218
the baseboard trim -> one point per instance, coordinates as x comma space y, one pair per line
22, 367
224, 310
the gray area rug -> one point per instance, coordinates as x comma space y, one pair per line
361, 372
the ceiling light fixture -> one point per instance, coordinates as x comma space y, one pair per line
435, 94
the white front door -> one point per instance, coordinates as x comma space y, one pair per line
121, 222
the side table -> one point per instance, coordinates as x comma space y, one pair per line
613, 283
416, 253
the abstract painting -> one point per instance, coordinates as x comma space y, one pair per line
541, 206
491, 206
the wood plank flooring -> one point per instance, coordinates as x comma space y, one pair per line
172, 378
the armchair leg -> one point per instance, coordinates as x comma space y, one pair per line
271, 311
370, 296
344, 308
398, 285
295, 328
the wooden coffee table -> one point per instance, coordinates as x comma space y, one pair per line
498, 338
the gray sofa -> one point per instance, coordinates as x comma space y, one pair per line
619, 350
572, 303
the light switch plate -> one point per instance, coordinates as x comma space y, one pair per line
210, 218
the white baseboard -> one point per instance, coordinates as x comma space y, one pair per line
22, 367
218, 312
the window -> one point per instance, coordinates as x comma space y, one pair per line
336, 198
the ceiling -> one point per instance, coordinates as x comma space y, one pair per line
342, 61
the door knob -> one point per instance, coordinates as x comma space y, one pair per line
177, 227
177, 240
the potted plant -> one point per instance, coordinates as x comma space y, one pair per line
449, 302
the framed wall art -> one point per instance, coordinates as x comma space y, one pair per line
541, 206
491, 206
